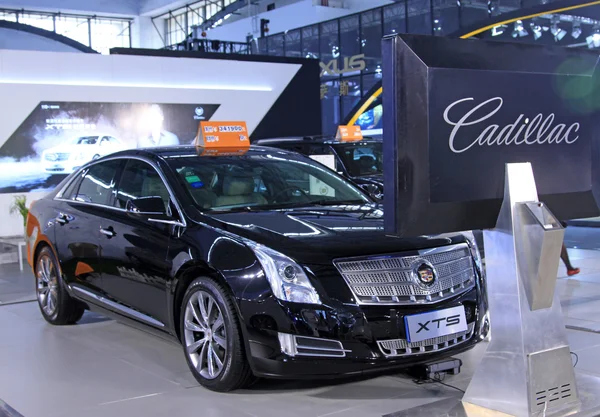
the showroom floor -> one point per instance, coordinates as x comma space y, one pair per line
103, 368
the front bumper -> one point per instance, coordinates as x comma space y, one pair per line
358, 329
61, 167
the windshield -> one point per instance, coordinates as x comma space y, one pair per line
85, 140
261, 182
361, 159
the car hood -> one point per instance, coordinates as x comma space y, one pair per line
320, 234
67, 148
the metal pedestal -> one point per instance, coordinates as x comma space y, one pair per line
527, 369
588, 387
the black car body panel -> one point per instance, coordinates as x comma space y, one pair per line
137, 269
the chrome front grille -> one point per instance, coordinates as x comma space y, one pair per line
57, 156
392, 279
401, 347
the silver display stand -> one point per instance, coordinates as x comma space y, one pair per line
527, 369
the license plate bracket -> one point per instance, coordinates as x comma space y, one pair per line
435, 323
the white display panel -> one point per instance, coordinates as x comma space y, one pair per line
29, 79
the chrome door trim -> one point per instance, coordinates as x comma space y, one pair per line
116, 306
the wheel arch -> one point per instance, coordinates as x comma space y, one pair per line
186, 274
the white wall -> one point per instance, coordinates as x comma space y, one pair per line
145, 35
292, 16
16, 39
119, 78
119, 7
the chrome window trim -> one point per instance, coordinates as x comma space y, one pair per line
58, 197
123, 309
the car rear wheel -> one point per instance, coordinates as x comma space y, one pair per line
212, 338
55, 304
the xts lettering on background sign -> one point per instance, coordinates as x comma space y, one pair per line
474, 132
348, 64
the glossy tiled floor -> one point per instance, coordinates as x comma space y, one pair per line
103, 368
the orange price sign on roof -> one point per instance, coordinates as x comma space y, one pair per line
349, 133
223, 135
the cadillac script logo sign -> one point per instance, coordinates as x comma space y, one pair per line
489, 119
538, 130
425, 273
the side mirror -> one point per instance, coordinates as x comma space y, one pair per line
147, 205
373, 190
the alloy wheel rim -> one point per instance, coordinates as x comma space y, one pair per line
205, 335
47, 285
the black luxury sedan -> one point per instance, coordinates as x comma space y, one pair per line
262, 264
360, 161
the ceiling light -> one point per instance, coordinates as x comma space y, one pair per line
593, 41
335, 51
519, 30
576, 33
498, 30
536, 29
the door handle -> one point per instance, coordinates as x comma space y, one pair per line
62, 218
108, 232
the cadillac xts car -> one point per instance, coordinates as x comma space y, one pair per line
262, 263
71, 155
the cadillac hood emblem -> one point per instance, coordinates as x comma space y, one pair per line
424, 272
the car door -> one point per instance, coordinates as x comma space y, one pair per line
134, 249
81, 208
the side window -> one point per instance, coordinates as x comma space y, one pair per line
98, 183
140, 179
70, 192
325, 155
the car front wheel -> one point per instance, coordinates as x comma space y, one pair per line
212, 338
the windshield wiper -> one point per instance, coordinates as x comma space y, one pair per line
326, 202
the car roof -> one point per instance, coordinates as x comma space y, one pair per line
192, 151
329, 140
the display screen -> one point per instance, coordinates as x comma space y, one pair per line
59, 137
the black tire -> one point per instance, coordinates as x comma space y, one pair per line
66, 309
235, 372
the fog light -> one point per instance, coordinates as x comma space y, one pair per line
293, 345
288, 343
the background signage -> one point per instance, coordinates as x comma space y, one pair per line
58, 137
484, 120
458, 110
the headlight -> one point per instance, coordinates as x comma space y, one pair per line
287, 279
80, 155
474, 249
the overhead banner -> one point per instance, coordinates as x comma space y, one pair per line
457, 111
59, 137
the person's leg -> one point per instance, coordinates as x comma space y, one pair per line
564, 255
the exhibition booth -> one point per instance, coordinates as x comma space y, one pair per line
476, 136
